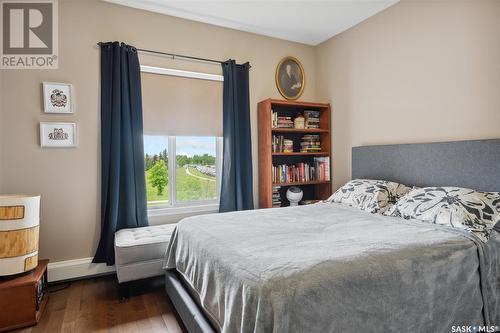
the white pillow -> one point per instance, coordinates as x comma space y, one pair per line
374, 196
457, 207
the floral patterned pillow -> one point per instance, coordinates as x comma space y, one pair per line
457, 207
374, 196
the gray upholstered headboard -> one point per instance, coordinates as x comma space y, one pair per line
471, 164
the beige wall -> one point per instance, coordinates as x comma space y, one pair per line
419, 71
68, 179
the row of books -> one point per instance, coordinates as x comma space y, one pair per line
302, 172
281, 145
276, 196
281, 121
312, 118
310, 143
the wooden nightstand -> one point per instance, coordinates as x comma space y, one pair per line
23, 298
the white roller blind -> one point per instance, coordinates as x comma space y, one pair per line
181, 106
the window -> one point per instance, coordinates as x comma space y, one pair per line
182, 171
196, 168
182, 145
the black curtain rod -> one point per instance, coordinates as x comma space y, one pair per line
173, 55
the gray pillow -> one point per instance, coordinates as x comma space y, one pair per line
374, 196
457, 207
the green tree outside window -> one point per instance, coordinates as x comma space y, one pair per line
158, 176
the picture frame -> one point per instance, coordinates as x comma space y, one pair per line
58, 135
58, 98
290, 78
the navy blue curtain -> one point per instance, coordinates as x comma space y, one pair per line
236, 184
123, 186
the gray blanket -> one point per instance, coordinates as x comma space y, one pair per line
331, 268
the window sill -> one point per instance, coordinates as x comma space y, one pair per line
184, 210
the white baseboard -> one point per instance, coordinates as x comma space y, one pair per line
77, 268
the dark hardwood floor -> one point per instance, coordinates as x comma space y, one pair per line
92, 306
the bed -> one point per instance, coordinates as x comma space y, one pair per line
333, 268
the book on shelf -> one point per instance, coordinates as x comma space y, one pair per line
285, 122
276, 196
281, 121
281, 145
310, 143
322, 165
312, 118
274, 119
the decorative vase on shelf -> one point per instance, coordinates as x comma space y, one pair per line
294, 195
299, 121
19, 222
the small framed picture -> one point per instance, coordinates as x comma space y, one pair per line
58, 98
290, 78
58, 135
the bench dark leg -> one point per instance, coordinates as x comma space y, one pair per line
123, 291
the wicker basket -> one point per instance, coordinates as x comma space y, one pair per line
19, 221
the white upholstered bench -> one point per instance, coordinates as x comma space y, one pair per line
139, 252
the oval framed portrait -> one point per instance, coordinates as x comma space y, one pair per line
290, 78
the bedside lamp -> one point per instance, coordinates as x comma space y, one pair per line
19, 220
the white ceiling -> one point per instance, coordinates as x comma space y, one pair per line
309, 22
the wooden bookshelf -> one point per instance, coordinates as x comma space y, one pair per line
313, 190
